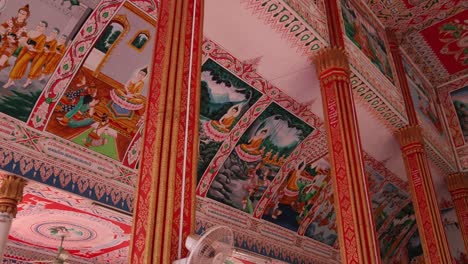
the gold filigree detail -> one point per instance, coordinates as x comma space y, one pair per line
332, 64
410, 138
458, 183
11, 193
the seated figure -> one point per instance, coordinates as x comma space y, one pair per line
132, 91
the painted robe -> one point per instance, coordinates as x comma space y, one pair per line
25, 56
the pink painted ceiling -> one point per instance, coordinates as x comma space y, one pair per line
433, 33
94, 234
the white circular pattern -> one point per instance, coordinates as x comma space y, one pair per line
86, 233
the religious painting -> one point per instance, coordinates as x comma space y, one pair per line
257, 158
305, 196
460, 103
374, 179
393, 235
32, 43
103, 107
424, 103
385, 202
224, 99
453, 233
369, 39
414, 250
313, 204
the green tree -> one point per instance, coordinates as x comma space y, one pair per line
101, 43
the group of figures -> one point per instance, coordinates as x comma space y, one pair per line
366, 37
31, 49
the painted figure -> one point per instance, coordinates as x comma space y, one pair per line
225, 123
40, 59
33, 46
7, 48
17, 26
96, 137
81, 114
54, 56
254, 144
70, 98
132, 90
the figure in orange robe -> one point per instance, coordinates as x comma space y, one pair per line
54, 56
17, 26
40, 59
253, 146
8, 47
34, 45
132, 90
225, 123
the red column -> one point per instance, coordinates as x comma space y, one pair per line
431, 230
165, 199
458, 187
355, 223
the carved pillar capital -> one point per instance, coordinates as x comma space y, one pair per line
458, 184
332, 64
410, 138
11, 193
392, 39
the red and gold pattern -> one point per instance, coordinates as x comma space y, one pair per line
428, 218
430, 226
165, 201
458, 187
356, 229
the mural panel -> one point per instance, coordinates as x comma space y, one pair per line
414, 249
103, 107
257, 158
397, 230
224, 99
385, 202
32, 43
423, 100
366, 36
460, 103
77, 126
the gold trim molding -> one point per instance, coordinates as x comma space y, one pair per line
410, 135
11, 193
332, 64
457, 182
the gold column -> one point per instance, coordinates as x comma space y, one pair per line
458, 187
355, 223
11, 193
431, 230
165, 199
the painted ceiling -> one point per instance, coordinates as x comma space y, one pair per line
437, 27
94, 234
262, 166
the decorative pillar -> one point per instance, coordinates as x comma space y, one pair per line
355, 223
356, 230
165, 201
11, 193
458, 188
431, 230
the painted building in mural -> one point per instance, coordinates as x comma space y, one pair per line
139, 122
